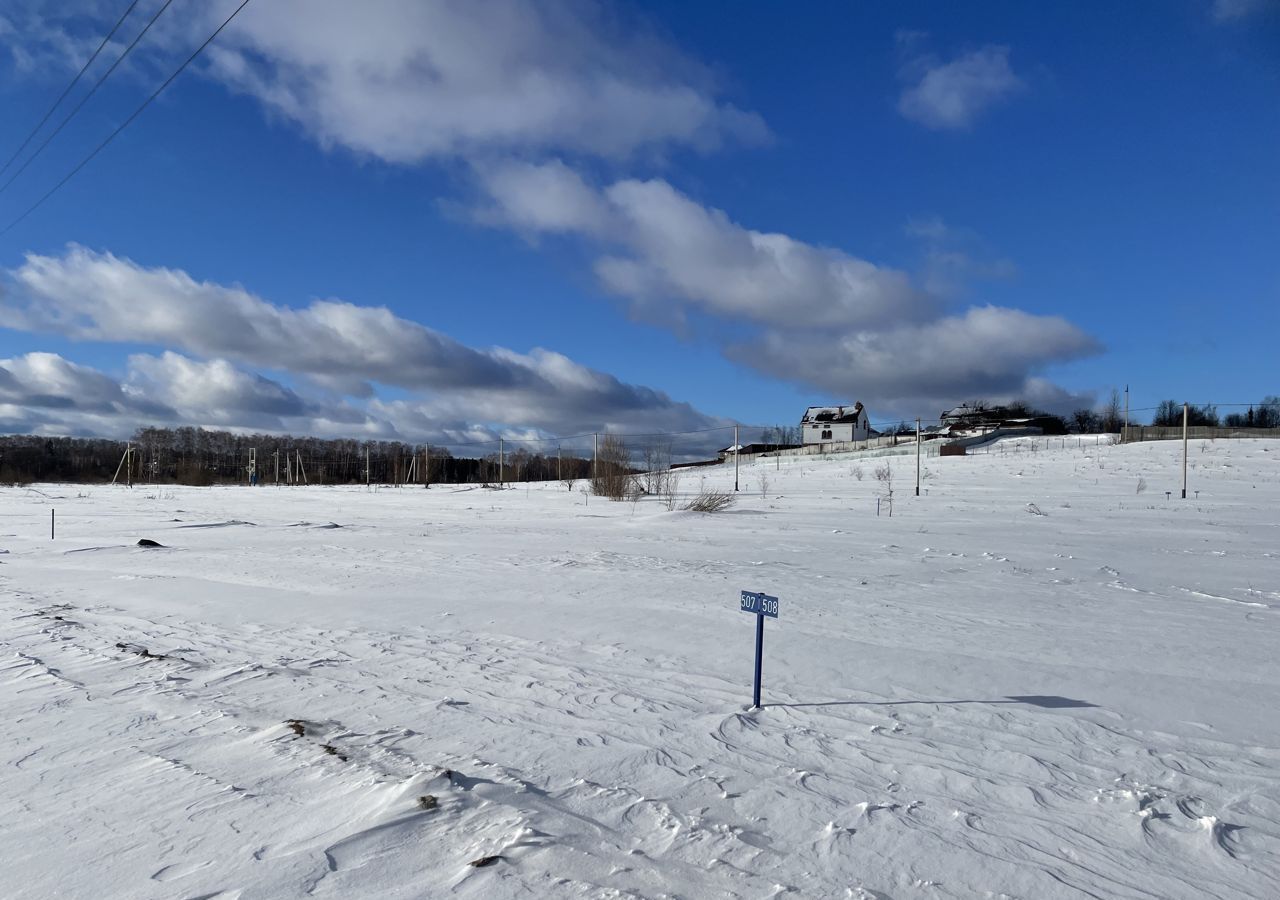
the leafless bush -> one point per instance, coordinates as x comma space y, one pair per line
710, 501
613, 468
656, 459
669, 490
884, 475
857, 472
635, 490
763, 479
568, 482
1142, 484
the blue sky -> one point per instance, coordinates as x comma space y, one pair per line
448, 221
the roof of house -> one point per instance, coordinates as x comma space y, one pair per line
829, 414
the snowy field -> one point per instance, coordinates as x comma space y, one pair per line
1032, 682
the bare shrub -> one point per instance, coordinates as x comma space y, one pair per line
1142, 484
613, 468
857, 472
670, 490
635, 491
763, 479
884, 475
710, 501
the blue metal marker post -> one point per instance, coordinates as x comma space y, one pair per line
760, 605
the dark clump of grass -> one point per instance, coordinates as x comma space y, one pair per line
428, 801
140, 651
297, 727
333, 751
484, 861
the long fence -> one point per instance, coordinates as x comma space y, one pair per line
1134, 433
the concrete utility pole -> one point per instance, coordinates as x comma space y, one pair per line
368, 478
917, 456
276, 454
426, 468
501, 475
595, 455
735, 457
1185, 408
1125, 436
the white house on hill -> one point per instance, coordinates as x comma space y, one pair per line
822, 424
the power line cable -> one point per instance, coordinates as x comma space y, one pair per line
85, 99
67, 89
112, 136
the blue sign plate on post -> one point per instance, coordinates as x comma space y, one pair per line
759, 604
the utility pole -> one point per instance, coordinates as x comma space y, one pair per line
1185, 408
502, 476
1125, 436
426, 469
276, 453
559, 460
368, 478
595, 455
917, 456
735, 457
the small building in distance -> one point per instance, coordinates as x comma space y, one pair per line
823, 424
977, 418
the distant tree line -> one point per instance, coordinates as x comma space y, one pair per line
1265, 415
200, 457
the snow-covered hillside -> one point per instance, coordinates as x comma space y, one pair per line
1033, 681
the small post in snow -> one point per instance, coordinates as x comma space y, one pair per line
917, 456
760, 605
1185, 408
52, 523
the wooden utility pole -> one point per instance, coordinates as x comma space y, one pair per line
368, 478
426, 469
502, 479
595, 456
735, 457
559, 469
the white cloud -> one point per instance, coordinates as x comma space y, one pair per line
212, 391
987, 352
823, 317
1235, 10
85, 295
408, 80
952, 95
664, 250
49, 382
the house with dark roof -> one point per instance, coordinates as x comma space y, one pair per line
824, 424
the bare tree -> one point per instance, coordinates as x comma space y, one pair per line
1112, 416
884, 475
613, 468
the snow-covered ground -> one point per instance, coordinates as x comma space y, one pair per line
1033, 681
